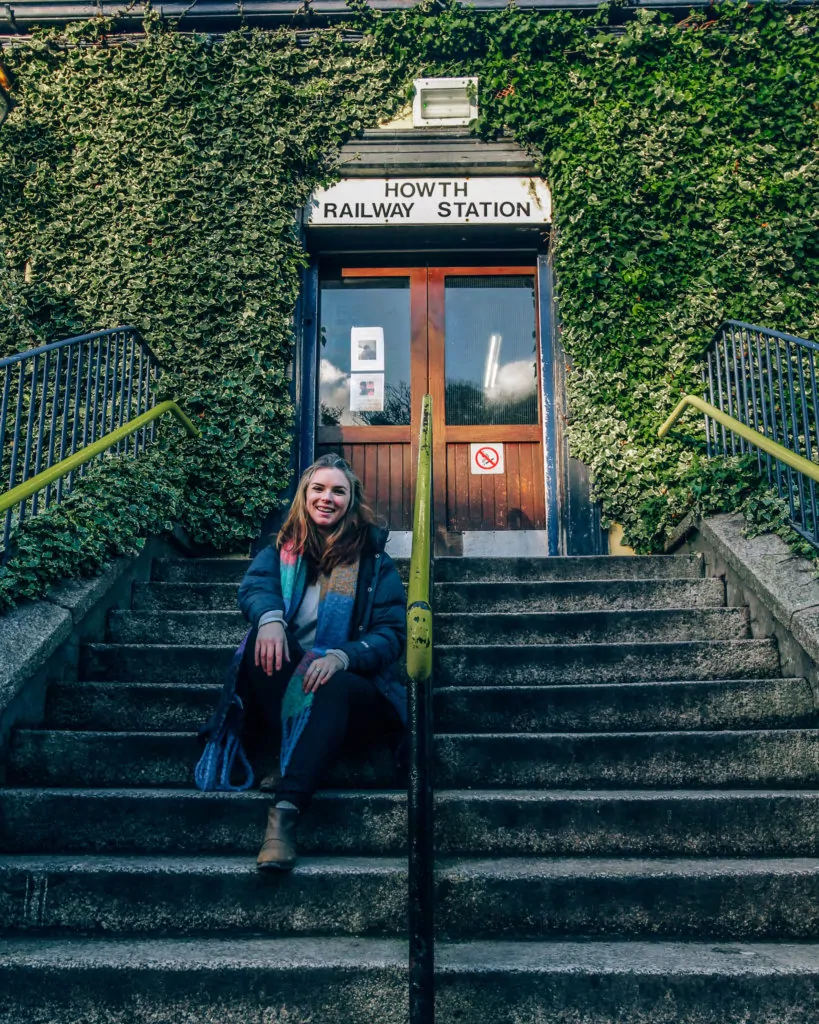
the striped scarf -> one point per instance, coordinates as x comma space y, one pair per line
335, 613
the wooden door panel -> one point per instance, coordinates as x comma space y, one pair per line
514, 500
383, 470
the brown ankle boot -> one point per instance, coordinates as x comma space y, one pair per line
278, 852
270, 783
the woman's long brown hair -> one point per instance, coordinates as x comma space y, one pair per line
344, 544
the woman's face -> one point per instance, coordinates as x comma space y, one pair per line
328, 497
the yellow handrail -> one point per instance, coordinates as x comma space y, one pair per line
419, 607
59, 469
765, 444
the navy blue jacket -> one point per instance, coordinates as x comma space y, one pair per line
378, 628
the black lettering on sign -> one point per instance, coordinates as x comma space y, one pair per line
460, 190
407, 209
523, 209
444, 209
507, 209
471, 210
425, 188
346, 210
330, 210
390, 190
382, 209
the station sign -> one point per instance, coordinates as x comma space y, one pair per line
373, 202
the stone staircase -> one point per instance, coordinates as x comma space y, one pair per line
627, 821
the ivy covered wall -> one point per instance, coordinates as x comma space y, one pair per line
155, 183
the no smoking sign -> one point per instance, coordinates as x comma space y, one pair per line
486, 459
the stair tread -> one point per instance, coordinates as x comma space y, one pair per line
501, 867
510, 689
399, 796
642, 735
231, 614
570, 957
499, 648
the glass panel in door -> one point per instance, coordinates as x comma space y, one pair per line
490, 350
372, 363
364, 354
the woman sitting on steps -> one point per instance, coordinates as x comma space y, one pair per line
328, 613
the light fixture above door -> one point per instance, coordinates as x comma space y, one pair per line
442, 102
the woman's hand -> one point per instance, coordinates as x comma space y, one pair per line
319, 672
271, 647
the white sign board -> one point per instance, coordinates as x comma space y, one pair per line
378, 201
366, 392
486, 459
367, 348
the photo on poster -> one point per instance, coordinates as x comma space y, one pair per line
367, 349
366, 392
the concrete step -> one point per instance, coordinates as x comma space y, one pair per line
586, 567
224, 627
184, 628
145, 707
592, 627
480, 665
47, 757
197, 597
693, 759
221, 570
574, 595
558, 664
201, 895
737, 759
621, 707
484, 823
363, 981
516, 898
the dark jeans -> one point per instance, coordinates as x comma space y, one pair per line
348, 711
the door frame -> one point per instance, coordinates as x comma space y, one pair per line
427, 283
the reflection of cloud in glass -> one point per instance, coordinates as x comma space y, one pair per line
329, 373
514, 381
335, 389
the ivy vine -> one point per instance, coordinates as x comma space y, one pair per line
157, 182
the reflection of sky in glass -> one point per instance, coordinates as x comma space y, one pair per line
491, 367
383, 302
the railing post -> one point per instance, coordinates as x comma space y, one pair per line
419, 793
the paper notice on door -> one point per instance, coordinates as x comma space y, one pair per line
366, 392
367, 349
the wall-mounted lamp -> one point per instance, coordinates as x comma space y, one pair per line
440, 102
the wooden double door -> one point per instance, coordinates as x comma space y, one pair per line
469, 337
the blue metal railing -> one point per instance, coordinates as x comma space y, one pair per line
767, 381
57, 399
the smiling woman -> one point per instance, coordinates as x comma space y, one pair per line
326, 608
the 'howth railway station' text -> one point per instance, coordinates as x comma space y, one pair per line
356, 201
